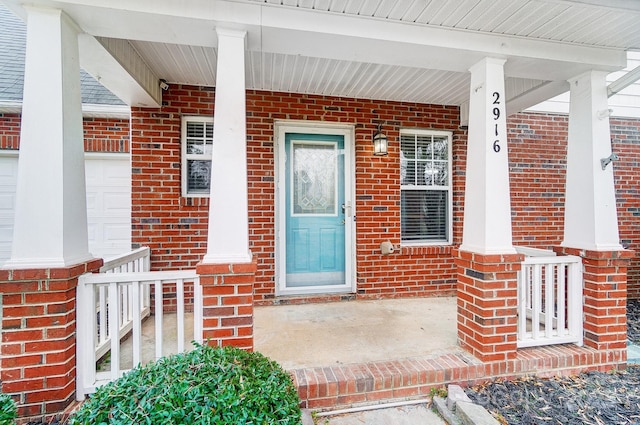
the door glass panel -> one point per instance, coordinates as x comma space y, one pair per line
314, 179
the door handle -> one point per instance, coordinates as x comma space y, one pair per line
346, 209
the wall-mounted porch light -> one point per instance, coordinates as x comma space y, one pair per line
380, 145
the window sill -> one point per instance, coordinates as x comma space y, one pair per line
193, 201
421, 249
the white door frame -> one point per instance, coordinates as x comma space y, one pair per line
281, 128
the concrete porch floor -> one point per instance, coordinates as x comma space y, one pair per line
329, 334
352, 353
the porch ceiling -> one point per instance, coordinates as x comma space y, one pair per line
405, 50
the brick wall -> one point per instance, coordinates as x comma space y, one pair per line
100, 134
175, 227
9, 131
537, 165
625, 139
537, 161
106, 135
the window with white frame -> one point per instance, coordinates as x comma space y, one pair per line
425, 186
197, 145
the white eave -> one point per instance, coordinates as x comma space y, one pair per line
88, 110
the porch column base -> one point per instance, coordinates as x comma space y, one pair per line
488, 304
227, 303
605, 297
38, 349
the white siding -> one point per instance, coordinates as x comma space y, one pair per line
624, 104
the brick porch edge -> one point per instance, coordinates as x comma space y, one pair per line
345, 386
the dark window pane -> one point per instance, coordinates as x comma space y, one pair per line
198, 176
424, 215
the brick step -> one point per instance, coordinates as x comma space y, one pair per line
349, 385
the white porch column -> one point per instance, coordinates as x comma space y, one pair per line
50, 226
590, 216
487, 205
228, 237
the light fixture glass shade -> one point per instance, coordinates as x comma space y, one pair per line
379, 144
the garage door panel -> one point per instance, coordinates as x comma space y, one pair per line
117, 204
7, 203
92, 203
108, 204
6, 236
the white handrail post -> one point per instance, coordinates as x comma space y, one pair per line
85, 339
197, 310
575, 302
522, 301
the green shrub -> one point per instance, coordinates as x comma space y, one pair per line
205, 386
8, 410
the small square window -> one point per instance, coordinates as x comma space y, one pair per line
197, 146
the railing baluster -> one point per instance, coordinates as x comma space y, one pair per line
137, 324
158, 319
102, 314
562, 300
536, 303
180, 313
549, 288
114, 329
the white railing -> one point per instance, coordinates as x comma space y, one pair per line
550, 301
89, 331
137, 260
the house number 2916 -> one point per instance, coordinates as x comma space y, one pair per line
496, 117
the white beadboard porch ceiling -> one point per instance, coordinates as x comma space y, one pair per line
591, 23
404, 50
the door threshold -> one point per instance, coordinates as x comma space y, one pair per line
307, 299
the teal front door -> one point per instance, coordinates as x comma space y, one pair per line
315, 212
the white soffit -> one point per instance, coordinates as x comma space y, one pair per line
406, 50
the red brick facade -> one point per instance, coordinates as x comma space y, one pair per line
175, 227
38, 361
38, 349
100, 134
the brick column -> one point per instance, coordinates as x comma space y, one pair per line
38, 349
605, 297
227, 303
488, 304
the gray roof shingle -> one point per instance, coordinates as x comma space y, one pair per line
13, 40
